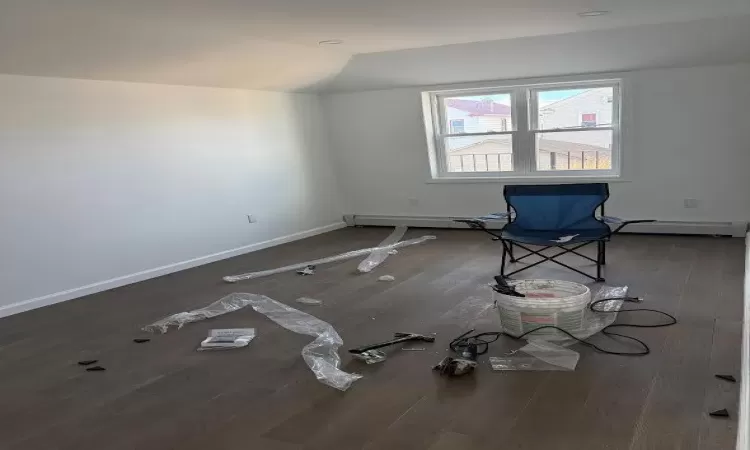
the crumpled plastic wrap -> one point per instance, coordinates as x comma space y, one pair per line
225, 305
378, 256
321, 355
595, 322
538, 356
330, 259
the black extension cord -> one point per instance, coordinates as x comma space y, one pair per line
479, 343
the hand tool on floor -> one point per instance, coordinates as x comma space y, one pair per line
468, 350
455, 366
369, 353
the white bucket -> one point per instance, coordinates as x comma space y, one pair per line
547, 302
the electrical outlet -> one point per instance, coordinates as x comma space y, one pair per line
251, 218
691, 203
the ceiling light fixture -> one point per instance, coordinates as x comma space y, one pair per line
593, 13
331, 42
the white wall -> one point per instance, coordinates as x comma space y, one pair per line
689, 137
99, 179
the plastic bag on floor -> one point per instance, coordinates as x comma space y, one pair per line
321, 355
378, 256
538, 356
330, 259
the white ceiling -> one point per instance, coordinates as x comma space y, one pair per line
272, 44
713, 41
380, 25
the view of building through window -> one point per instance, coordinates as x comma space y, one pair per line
571, 130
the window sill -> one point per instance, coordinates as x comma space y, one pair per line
519, 180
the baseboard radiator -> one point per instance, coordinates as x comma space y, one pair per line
734, 229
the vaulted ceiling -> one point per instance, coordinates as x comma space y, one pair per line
273, 44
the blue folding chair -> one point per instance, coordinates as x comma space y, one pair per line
560, 216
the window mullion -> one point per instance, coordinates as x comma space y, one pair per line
523, 151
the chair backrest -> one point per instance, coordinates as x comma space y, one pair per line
553, 207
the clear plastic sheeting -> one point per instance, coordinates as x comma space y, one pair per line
225, 305
378, 256
321, 355
330, 259
537, 356
309, 301
594, 321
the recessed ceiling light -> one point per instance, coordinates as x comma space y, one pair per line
331, 42
593, 13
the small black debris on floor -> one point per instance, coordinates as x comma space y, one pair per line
95, 369
87, 362
719, 413
729, 378
141, 340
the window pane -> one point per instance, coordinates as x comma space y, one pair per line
575, 108
479, 154
574, 150
477, 114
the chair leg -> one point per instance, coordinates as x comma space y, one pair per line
599, 260
512, 258
502, 264
604, 253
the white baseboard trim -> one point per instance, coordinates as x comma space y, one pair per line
57, 297
735, 229
743, 422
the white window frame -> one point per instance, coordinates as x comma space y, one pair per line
523, 131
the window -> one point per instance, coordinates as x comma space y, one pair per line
562, 130
457, 126
588, 120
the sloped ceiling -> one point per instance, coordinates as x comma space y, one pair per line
273, 44
72, 39
701, 42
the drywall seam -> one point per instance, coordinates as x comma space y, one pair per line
69, 294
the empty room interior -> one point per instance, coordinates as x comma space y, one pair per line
349, 224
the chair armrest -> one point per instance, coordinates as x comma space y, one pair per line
624, 223
480, 223
477, 224
611, 220
496, 216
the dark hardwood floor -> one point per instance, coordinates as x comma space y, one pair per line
165, 395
